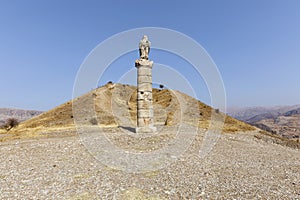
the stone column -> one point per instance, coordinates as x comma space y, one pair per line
145, 120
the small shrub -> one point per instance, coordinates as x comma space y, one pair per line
11, 123
161, 86
94, 121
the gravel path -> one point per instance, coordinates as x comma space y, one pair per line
239, 167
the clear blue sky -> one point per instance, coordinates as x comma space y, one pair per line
254, 43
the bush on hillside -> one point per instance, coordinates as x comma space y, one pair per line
10, 123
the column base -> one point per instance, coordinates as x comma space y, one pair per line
147, 129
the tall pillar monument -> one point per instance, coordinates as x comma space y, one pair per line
145, 121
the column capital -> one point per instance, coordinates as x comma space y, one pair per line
143, 62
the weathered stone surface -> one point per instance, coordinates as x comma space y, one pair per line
145, 79
144, 87
144, 71
145, 121
144, 63
145, 113
146, 129
144, 95
144, 47
145, 105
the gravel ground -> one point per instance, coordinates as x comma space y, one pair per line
239, 167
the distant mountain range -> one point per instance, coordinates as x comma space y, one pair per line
19, 114
280, 120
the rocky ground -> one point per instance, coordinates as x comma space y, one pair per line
45, 158
239, 166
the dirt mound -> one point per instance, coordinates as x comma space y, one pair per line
114, 105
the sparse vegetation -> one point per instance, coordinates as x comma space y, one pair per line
232, 125
166, 108
94, 121
10, 123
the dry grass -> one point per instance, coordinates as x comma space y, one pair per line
233, 125
3, 131
112, 103
38, 132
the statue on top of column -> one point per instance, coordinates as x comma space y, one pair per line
144, 47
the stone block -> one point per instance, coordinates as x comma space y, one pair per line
150, 129
143, 62
144, 95
145, 87
145, 121
144, 105
145, 113
144, 71
144, 79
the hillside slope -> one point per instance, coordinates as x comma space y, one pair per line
285, 124
114, 105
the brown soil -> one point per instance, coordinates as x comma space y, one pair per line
114, 105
